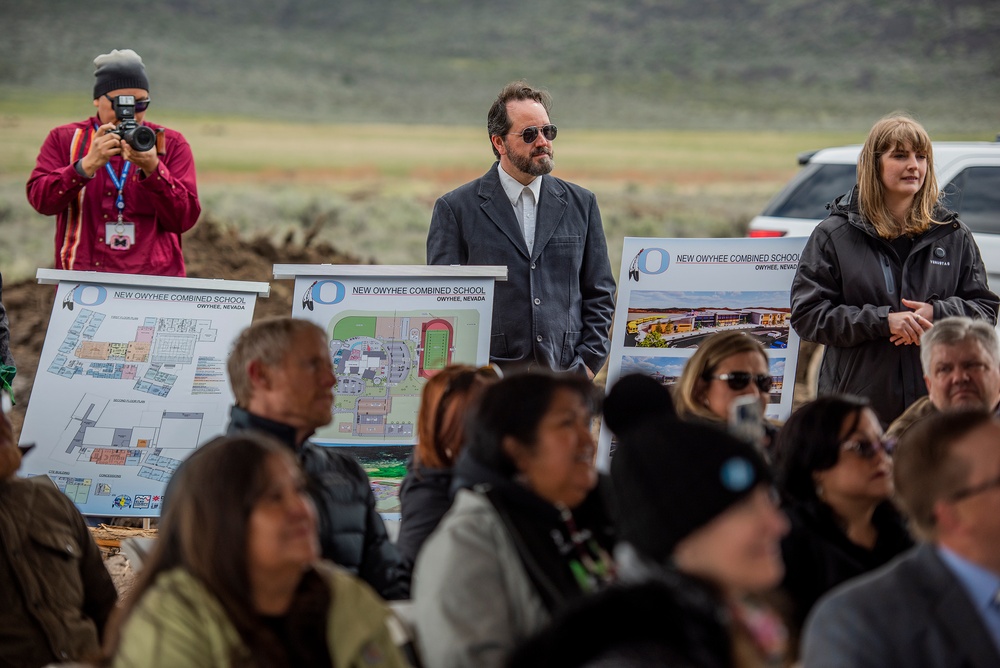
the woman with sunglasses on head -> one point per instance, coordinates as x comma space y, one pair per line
834, 472
728, 365
886, 264
510, 553
426, 495
235, 578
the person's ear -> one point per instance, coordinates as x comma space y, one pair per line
946, 517
498, 144
818, 478
516, 452
699, 393
259, 374
97, 101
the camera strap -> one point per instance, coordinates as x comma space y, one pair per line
119, 182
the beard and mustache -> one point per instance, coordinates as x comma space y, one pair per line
526, 162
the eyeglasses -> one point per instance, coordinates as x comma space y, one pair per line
140, 105
868, 449
530, 133
738, 380
975, 489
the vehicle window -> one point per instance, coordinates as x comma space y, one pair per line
975, 195
808, 198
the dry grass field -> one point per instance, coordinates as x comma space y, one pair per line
369, 189
366, 191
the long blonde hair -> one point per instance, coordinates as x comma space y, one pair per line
689, 393
891, 132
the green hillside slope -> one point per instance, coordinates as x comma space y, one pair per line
643, 63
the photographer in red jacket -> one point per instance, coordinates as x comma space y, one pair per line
122, 190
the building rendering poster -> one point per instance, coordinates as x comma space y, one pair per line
675, 293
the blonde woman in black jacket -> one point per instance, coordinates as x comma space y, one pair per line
886, 264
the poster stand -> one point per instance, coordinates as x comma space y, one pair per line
390, 328
673, 294
131, 379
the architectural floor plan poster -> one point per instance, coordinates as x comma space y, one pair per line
389, 334
675, 293
131, 379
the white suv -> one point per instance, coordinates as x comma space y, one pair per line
968, 174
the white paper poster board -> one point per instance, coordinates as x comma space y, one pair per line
674, 293
390, 329
131, 379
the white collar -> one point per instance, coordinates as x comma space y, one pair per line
513, 187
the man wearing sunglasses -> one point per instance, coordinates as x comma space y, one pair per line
118, 209
939, 603
554, 310
961, 363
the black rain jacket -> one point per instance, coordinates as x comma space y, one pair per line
849, 280
351, 532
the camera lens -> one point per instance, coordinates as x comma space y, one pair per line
141, 138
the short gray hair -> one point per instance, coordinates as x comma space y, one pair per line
958, 329
267, 340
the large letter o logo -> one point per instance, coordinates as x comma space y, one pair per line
663, 260
321, 296
97, 292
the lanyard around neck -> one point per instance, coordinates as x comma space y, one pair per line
119, 181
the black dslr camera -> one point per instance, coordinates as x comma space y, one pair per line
139, 137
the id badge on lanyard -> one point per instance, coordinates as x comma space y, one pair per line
119, 235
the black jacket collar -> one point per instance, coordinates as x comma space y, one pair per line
242, 420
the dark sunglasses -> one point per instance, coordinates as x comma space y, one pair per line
868, 449
140, 105
530, 134
738, 380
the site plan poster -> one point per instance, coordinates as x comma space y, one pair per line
675, 293
388, 334
131, 379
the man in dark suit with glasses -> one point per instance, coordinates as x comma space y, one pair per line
554, 310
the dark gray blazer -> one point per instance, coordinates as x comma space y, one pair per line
555, 307
912, 612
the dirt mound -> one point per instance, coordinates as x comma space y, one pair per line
210, 251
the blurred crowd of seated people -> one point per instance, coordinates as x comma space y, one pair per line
697, 545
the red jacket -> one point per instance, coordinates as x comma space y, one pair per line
162, 206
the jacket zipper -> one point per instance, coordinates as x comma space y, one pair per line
890, 282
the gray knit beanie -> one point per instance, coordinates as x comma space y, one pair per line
119, 69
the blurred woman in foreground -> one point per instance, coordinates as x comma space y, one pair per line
235, 580
700, 534
425, 495
834, 471
510, 553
